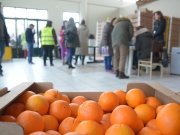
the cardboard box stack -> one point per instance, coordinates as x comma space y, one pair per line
175, 31
134, 20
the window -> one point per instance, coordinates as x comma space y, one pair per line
32, 13
21, 13
12, 12
67, 15
42, 14
9, 12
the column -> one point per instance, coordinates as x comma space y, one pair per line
83, 10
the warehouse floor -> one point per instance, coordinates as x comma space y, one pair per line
90, 77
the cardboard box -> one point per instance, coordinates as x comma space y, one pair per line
7, 97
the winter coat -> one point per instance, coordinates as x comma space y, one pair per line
83, 33
143, 43
61, 34
106, 37
73, 29
159, 29
123, 32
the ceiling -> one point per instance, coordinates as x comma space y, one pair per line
111, 3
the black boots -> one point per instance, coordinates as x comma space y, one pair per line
117, 73
71, 67
123, 76
81, 57
157, 68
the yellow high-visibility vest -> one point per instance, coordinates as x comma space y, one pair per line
47, 36
24, 38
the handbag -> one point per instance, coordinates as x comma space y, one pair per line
165, 58
69, 36
105, 51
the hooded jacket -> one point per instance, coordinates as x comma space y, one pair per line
70, 26
123, 32
106, 37
83, 33
143, 43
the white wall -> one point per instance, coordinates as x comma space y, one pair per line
168, 7
55, 9
97, 13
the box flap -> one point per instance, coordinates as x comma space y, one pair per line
14, 92
3, 91
149, 91
9, 128
178, 93
40, 87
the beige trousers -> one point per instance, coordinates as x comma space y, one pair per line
120, 55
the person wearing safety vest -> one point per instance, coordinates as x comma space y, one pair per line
48, 40
24, 44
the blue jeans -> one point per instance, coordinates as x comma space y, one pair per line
108, 60
30, 52
71, 53
2, 50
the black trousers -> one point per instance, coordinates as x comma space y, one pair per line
48, 52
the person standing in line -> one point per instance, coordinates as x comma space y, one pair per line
107, 42
4, 39
24, 44
83, 32
73, 40
30, 42
121, 36
48, 41
158, 32
64, 50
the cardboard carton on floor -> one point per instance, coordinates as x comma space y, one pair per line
7, 97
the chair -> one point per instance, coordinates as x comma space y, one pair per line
152, 61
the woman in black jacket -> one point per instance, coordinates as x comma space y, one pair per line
159, 29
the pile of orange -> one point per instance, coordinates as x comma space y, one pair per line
118, 112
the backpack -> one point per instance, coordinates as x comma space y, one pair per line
165, 58
69, 36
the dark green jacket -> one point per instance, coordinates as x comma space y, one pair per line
123, 32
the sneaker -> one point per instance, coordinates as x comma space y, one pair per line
45, 65
52, 64
31, 63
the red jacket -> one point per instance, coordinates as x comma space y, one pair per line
61, 34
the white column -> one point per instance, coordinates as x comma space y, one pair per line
83, 10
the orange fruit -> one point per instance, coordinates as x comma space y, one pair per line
15, 109
122, 96
105, 125
119, 129
124, 115
168, 120
37, 103
52, 95
152, 124
68, 125
135, 97
38, 133
159, 108
153, 102
79, 100
60, 110
7, 118
89, 127
106, 117
174, 105
72, 133
50, 123
149, 131
138, 127
74, 109
145, 112
31, 122
66, 98
24, 96
41, 94
90, 110
108, 101
52, 132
